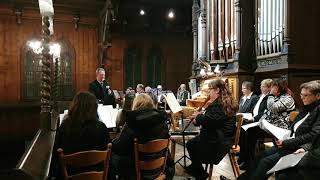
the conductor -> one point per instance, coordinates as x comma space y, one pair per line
101, 89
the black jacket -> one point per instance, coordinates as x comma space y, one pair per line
216, 127
309, 165
307, 130
262, 108
146, 125
103, 93
248, 105
92, 135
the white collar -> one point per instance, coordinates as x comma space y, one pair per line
247, 97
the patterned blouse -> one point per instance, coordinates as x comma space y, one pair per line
278, 110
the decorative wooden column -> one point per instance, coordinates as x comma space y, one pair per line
204, 42
238, 29
195, 10
45, 114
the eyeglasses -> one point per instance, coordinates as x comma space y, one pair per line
305, 95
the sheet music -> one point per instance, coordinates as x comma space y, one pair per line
61, 116
279, 133
250, 125
287, 161
108, 115
247, 116
172, 102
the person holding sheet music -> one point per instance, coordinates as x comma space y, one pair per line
217, 129
308, 167
80, 131
279, 104
101, 89
249, 138
248, 100
145, 123
304, 128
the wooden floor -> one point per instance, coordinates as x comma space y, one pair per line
223, 168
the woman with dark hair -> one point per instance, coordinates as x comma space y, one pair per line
80, 130
279, 104
145, 123
127, 106
217, 129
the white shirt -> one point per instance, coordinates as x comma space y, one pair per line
296, 125
256, 107
246, 97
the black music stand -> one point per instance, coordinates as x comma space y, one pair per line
183, 133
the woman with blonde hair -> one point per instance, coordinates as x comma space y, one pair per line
217, 129
145, 123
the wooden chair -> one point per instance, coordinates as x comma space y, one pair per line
236, 148
293, 115
154, 146
233, 151
85, 159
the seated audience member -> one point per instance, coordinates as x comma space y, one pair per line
304, 128
279, 104
127, 106
149, 91
217, 129
249, 138
145, 123
81, 130
309, 166
130, 90
248, 100
140, 89
182, 95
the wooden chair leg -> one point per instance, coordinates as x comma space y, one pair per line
173, 122
210, 171
173, 148
234, 164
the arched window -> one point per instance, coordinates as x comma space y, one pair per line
132, 67
32, 64
154, 67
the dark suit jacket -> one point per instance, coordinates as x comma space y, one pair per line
309, 165
248, 105
262, 108
103, 93
307, 130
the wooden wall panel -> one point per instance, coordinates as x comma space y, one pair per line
13, 37
177, 56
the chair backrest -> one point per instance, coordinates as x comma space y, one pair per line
239, 121
154, 146
85, 159
293, 115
